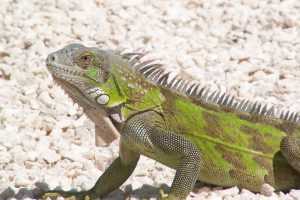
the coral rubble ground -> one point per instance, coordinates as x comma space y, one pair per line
250, 47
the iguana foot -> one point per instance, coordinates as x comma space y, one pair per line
68, 195
165, 196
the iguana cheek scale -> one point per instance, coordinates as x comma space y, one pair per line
204, 134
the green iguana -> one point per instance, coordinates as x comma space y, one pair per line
170, 117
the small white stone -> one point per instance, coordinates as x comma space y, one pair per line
65, 183
46, 99
295, 194
18, 154
51, 181
213, 196
83, 182
5, 157
49, 155
64, 122
267, 190
22, 180
229, 192
32, 155
43, 143
244, 194
285, 196
72, 155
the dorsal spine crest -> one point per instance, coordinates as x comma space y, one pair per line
181, 83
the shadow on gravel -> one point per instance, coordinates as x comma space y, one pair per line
145, 192
23, 192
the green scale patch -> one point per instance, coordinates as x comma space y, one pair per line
228, 144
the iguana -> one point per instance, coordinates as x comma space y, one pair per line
204, 134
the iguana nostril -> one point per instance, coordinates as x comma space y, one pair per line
52, 58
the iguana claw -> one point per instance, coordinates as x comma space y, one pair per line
165, 196
53, 195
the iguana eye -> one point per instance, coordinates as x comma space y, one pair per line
86, 58
85, 61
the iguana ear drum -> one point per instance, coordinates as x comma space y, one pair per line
99, 95
103, 99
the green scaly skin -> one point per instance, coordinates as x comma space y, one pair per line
205, 135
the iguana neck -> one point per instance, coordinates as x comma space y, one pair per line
129, 92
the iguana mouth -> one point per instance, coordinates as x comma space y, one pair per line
62, 71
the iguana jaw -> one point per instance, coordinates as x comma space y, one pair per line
64, 72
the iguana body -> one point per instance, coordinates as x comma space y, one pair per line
205, 135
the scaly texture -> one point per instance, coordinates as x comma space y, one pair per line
205, 135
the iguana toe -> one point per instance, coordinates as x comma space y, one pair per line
165, 196
67, 195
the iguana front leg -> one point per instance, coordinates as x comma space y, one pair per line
286, 163
114, 176
148, 133
290, 149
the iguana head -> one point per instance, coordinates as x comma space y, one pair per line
86, 71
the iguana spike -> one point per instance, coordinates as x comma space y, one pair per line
163, 80
148, 72
253, 109
185, 86
297, 118
287, 114
205, 95
221, 98
211, 96
154, 74
172, 76
200, 92
245, 105
248, 106
235, 105
231, 102
159, 76
215, 100
149, 63
226, 99
258, 109
264, 109
190, 89
177, 82
135, 57
271, 111
290, 117
195, 91
240, 105
174, 82
282, 114
145, 69
181, 85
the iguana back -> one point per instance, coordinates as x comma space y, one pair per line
239, 140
